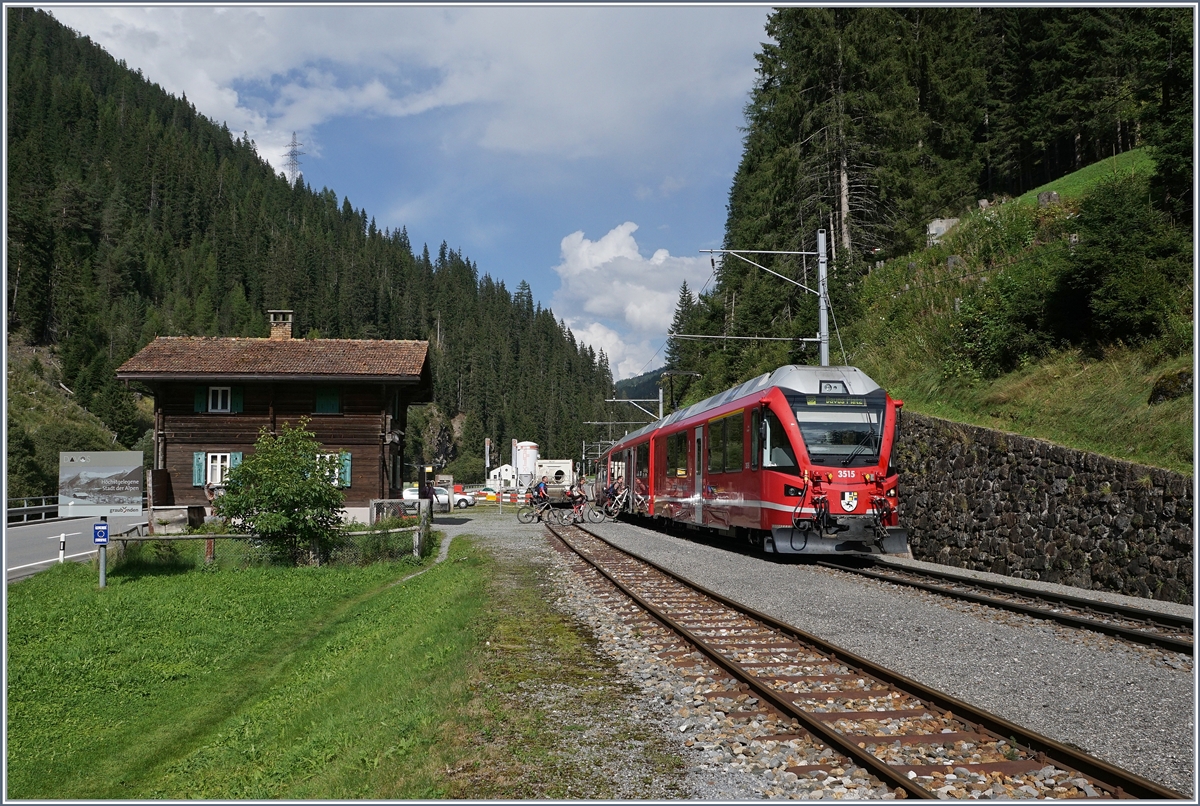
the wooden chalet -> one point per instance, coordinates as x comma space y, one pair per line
212, 395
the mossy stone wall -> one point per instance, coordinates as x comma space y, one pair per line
991, 501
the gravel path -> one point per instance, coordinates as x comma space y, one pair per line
1132, 708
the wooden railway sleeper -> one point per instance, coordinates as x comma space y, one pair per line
831, 738
1091, 768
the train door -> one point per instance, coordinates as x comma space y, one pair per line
698, 510
630, 474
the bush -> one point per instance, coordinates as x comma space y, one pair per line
282, 493
1003, 323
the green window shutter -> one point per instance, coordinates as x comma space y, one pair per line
235, 401
328, 401
198, 460
201, 399
235, 459
344, 474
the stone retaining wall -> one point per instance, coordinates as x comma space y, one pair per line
991, 501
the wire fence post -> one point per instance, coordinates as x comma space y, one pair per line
423, 531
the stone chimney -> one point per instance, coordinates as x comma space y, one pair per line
281, 324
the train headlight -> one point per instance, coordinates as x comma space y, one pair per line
792, 492
891, 493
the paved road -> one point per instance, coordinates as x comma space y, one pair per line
32, 547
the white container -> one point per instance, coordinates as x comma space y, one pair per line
527, 456
557, 471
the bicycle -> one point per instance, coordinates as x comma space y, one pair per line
614, 506
575, 514
594, 513
542, 512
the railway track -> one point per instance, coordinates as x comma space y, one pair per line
1159, 630
841, 714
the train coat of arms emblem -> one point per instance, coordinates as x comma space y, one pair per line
849, 500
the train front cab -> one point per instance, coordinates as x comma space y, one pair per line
827, 459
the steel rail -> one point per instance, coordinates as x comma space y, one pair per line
1166, 619
1123, 783
825, 733
1115, 630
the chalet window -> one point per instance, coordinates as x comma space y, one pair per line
213, 467
219, 399
339, 468
218, 467
329, 401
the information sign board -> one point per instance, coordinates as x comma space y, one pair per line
100, 534
99, 483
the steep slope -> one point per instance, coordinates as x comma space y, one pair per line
132, 215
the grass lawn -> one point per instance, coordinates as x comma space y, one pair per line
259, 683
305, 683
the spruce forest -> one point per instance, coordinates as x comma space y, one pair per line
870, 123
131, 215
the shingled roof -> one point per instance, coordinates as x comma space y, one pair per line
198, 358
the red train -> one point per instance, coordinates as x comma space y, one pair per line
796, 461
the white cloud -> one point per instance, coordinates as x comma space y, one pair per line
615, 299
567, 82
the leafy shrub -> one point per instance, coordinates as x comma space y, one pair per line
1004, 321
282, 493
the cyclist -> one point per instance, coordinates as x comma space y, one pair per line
541, 492
578, 496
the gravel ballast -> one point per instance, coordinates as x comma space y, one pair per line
1129, 707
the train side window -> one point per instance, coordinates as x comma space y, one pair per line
755, 438
716, 446
776, 450
677, 449
735, 441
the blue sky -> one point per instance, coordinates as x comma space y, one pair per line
587, 150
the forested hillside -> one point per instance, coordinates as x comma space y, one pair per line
131, 215
871, 122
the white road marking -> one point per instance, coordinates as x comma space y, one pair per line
43, 562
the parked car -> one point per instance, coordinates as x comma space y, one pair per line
441, 497
460, 500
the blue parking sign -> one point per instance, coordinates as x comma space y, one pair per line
100, 533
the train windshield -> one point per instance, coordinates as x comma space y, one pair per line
841, 435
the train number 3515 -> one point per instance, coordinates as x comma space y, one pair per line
846, 474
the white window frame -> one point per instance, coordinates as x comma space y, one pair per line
335, 477
217, 468
224, 395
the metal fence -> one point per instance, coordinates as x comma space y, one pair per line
23, 510
42, 508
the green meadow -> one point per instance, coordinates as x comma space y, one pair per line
255, 683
